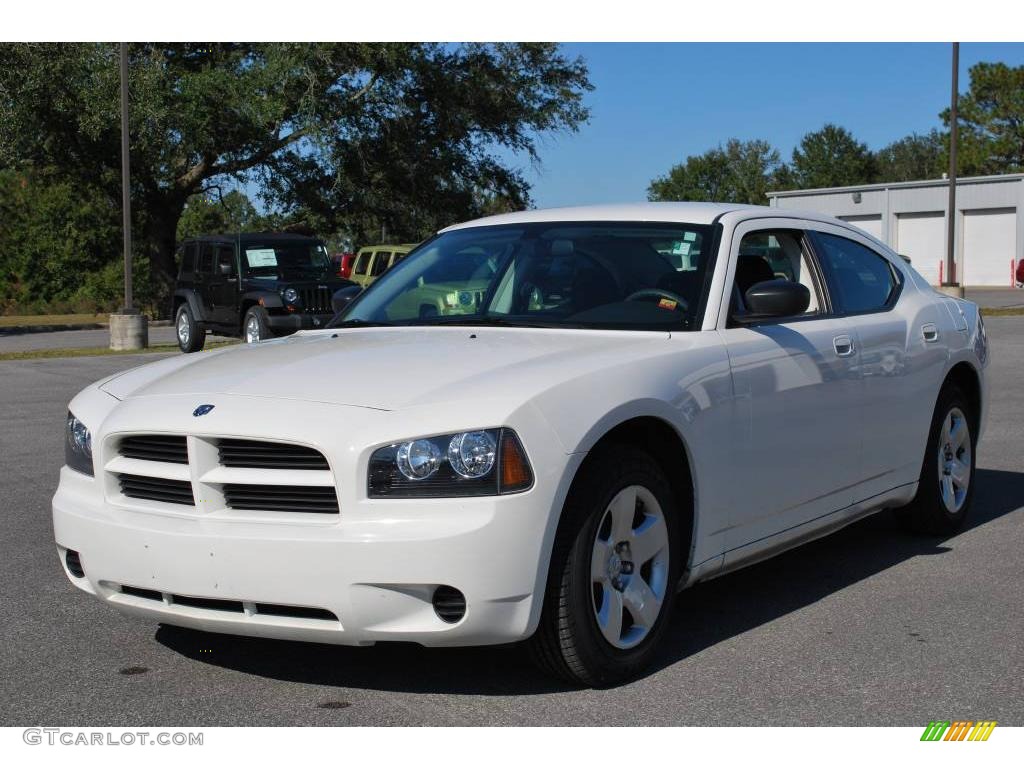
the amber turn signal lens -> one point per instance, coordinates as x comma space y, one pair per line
515, 469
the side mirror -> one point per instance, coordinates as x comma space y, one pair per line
775, 298
225, 269
343, 297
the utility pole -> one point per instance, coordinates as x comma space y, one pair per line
129, 329
126, 175
952, 283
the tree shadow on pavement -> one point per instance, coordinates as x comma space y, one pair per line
705, 615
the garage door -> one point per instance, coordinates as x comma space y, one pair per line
870, 224
990, 240
922, 237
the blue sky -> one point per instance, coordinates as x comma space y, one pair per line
654, 104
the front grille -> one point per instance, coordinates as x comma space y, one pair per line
262, 455
167, 448
282, 498
157, 489
316, 300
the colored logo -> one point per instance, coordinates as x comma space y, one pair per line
958, 730
202, 410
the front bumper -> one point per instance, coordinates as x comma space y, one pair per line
298, 321
377, 576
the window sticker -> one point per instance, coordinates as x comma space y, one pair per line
681, 248
689, 236
261, 257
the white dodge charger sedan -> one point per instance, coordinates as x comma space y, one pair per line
537, 427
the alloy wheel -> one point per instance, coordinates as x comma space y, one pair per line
184, 332
252, 330
955, 459
629, 567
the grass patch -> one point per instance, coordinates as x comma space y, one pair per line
42, 354
19, 321
1002, 311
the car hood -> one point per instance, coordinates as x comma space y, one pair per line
391, 368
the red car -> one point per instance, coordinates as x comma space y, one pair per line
1020, 272
344, 262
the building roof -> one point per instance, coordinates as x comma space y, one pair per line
899, 185
690, 213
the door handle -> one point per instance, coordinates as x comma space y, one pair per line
843, 345
930, 332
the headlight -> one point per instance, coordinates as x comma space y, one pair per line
483, 462
290, 295
77, 446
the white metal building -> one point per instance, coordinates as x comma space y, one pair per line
910, 217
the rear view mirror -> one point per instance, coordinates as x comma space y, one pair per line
343, 297
775, 298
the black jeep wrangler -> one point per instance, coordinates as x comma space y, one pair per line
255, 286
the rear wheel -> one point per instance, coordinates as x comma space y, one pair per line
255, 327
946, 486
613, 572
191, 337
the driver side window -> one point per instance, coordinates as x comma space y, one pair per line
774, 255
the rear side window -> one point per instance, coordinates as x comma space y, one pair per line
226, 258
380, 264
188, 258
206, 258
362, 262
860, 279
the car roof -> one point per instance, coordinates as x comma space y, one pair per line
254, 237
682, 212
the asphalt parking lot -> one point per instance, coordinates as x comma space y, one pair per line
93, 338
870, 626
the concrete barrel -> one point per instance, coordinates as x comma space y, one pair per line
129, 331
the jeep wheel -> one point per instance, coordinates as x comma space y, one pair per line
613, 572
255, 327
191, 337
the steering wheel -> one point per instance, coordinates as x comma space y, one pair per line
681, 304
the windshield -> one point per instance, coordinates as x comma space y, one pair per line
285, 259
630, 276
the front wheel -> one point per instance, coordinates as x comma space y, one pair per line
255, 327
191, 337
946, 486
614, 572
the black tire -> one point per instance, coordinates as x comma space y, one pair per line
928, 513
568, 643
257, 315
191, 337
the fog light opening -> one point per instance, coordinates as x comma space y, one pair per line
449, 604
74, 563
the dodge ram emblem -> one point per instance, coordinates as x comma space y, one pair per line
202, 410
